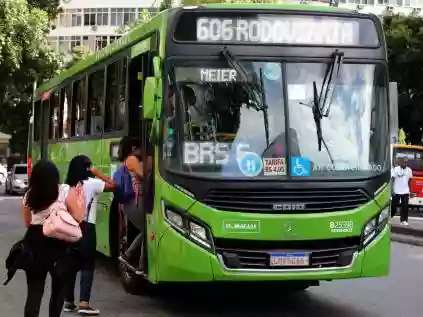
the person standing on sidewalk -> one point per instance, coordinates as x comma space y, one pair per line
401, 175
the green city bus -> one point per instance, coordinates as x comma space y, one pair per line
269, 130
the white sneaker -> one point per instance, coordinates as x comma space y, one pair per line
404, 223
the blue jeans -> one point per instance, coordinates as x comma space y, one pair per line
87, 246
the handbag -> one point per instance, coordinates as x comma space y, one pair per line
60, 224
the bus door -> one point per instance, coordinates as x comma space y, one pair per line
140, 67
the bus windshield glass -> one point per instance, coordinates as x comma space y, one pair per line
221, 123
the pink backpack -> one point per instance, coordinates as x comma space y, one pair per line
60, 224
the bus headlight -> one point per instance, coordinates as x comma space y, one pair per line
375, 226
188, 226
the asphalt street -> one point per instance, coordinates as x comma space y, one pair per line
399, 295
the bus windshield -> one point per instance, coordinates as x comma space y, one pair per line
221, 123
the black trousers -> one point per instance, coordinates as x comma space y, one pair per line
400, 200
48, 256
36, 280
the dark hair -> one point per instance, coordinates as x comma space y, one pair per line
78, 170
43, 187
126, 147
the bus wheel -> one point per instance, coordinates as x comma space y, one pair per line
131, 282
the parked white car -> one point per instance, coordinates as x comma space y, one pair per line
3, 174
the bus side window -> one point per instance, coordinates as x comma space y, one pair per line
55, 120
96, 89
78, 108
37, 120
115, 106
67, 111
140, 68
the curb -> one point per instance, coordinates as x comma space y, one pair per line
407, 239
409, 231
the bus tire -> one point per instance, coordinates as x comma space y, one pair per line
132, 283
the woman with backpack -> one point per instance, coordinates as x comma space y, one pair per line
131, 156
47, 255
93, 184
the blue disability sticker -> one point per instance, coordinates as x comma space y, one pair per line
250, 164
300, 166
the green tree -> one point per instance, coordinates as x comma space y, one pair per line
77, 54
25, 56
404, 36
165, 4
50, 6
145, 16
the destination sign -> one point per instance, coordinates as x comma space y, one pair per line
199, 74
277, 29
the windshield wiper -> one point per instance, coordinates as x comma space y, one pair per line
322, 103
251, 91
330, 82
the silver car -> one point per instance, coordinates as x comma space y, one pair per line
17, 180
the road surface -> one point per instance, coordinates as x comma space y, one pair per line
399, 295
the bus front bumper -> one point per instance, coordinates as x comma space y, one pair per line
180, 260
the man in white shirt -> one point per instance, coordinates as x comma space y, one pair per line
401, 175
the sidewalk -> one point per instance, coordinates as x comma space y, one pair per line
412, 234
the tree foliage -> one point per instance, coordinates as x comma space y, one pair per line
165, 4
50, 6
77, 54
404, 36
25, 56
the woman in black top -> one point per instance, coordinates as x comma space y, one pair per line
48, 255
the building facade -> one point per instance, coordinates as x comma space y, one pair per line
383, 7
94, 23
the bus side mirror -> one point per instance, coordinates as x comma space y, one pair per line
152, 90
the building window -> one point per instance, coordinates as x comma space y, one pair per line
76, 17
121, 16
100, 42
93, 16
70, 17
63, 44
89, 17
75, 41
113, 38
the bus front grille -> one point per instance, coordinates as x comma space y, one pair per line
329, 253
285, 201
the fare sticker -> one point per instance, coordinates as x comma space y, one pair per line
274, 166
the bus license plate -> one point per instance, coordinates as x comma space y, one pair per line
289, 259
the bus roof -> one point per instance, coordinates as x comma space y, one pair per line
408, 146
279, 6
160, 20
